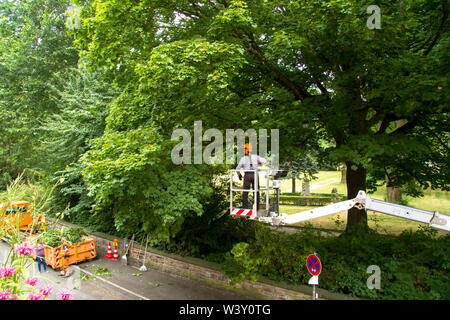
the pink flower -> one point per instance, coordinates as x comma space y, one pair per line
5, 295
65, 294
24, 248
7, 271
32, 281
46, 291
35, 296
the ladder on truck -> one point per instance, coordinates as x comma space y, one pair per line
435, 220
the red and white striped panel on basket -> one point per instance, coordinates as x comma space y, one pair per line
92, 249
57, 257
242, 212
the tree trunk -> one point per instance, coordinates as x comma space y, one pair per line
293, 184
343, 176
356, 181
394, 194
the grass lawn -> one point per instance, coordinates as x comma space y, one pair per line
433, 200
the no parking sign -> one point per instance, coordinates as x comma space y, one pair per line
315, 268
313, 264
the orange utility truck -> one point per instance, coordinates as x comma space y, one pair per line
19, 214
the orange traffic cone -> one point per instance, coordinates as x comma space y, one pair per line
116, 255
109, 254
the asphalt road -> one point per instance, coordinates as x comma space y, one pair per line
122, 282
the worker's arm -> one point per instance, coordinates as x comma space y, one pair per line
240, 166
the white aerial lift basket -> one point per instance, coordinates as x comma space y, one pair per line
270, 184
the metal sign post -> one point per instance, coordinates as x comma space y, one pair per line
255, 191
315, 268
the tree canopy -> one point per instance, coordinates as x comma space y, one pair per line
311, 68
34, 46
92, 93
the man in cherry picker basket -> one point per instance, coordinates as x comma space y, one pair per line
249, 162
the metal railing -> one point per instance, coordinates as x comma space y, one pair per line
255, 190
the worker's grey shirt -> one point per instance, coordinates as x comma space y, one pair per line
244, 163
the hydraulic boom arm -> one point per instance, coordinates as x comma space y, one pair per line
435, 220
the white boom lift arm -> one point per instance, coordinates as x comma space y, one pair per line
435, 220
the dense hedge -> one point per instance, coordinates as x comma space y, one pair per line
414, 265
317, 199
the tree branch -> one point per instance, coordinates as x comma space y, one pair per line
251, 46
236, 92
405, 128
440, 29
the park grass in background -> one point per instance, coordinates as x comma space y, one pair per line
433, 200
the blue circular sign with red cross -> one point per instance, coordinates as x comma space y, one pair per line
313, 264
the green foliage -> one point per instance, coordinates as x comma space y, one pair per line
372, 99
40, 196
340, 93
413, 265
49, 109
74, 235
51, 238
33, 48
55, 237
85, 277
129, 172
71, 197
103, 272
83, 100
239, 264
313, 200
211, 235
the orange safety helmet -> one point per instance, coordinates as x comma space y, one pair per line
247, 148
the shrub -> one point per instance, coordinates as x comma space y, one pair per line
54, 237
318, 199
413, 265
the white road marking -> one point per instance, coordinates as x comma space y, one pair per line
112, 284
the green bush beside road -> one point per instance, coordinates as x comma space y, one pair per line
413, 265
